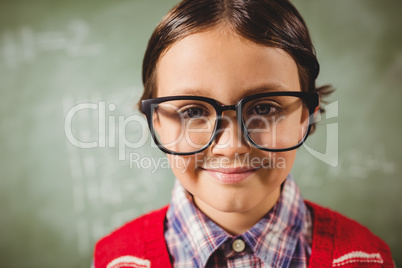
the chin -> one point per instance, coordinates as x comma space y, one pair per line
233, 205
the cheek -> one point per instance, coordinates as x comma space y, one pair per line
181, 164
287, 159
279, 132
184, 169
278, 162
295, 128
167, 132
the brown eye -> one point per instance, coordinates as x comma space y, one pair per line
263, 109
193, 112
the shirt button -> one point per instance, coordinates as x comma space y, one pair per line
238, 245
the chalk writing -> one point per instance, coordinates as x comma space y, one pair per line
106, 191
25, 45
353, 165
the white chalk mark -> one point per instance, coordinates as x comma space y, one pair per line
25, 45
76, 47
51, 41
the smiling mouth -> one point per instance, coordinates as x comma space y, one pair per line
231, 175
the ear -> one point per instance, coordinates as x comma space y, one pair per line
304, 122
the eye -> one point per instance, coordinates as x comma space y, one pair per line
193, 112
263, 109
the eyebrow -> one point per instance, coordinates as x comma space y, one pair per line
192, 92
271, 87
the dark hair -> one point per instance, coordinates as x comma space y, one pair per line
274, 23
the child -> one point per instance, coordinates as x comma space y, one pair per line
229, 94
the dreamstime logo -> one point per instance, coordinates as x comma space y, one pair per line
111, 132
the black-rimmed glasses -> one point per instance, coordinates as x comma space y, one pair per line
273, 121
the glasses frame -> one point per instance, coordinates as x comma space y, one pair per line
311, 99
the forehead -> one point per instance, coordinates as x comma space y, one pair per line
224, 66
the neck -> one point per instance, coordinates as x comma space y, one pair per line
238, 222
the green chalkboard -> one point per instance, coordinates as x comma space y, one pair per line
71, 170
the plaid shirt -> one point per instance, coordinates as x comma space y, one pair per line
282, 238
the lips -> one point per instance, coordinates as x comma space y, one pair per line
231, 175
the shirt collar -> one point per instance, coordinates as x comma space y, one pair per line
273, 239
199, 236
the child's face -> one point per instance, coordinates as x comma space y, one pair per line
223, 66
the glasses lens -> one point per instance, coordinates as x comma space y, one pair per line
278, 122
184, 126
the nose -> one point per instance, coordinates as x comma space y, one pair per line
229, 139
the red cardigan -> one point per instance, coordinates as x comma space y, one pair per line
337, 242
